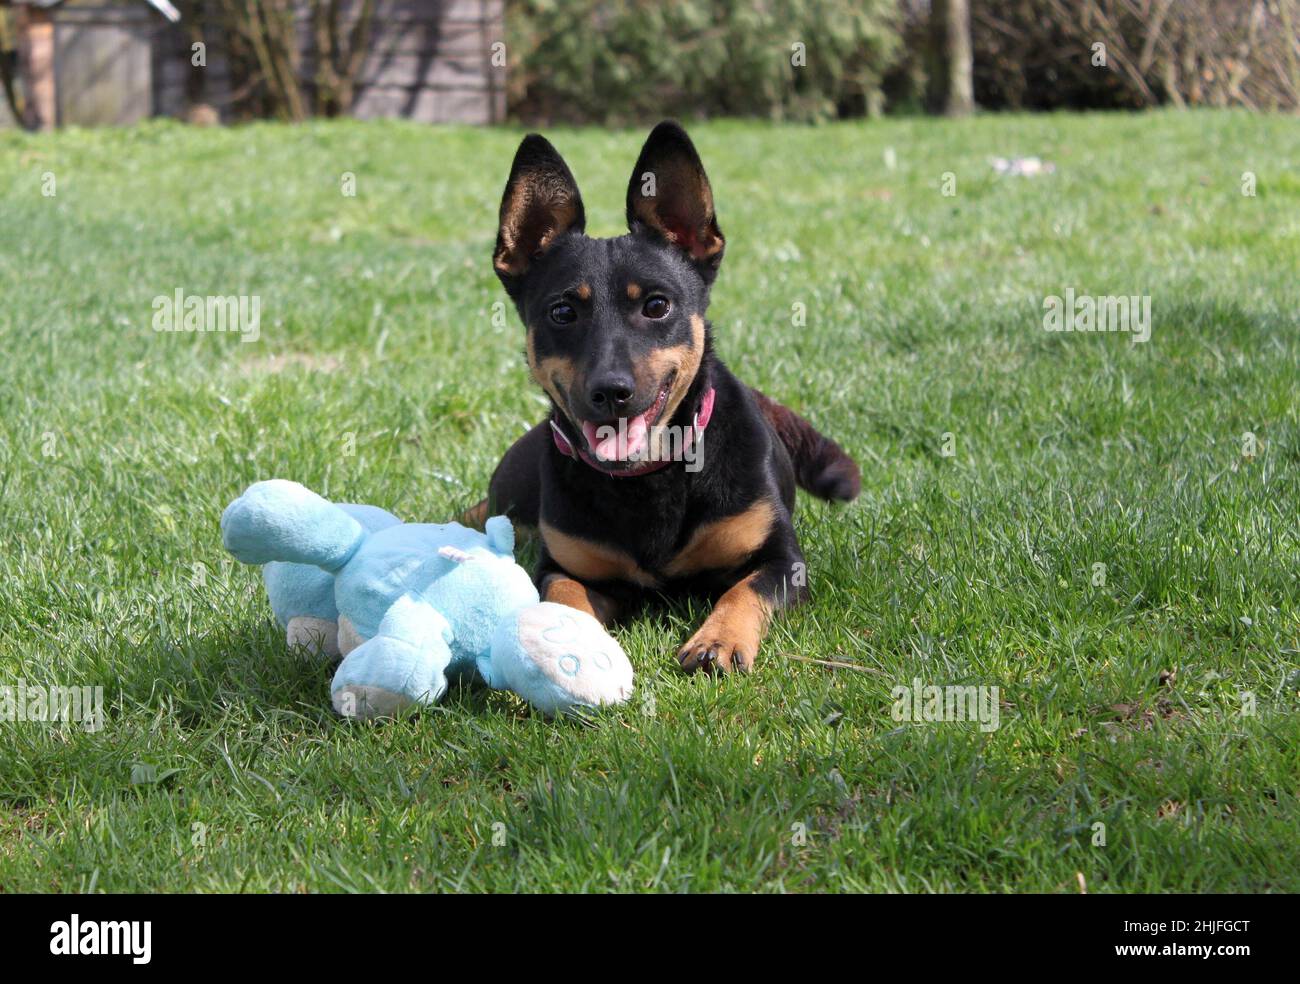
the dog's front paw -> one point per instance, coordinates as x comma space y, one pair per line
729, 638
717, 652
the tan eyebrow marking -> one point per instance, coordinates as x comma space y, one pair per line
584, 291
633, 291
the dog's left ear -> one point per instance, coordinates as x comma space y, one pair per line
669, 196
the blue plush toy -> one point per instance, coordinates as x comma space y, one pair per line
411, 605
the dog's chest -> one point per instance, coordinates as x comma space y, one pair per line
653, 551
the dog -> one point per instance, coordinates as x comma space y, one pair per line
657, 470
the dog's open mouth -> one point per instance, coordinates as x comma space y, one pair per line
626, 439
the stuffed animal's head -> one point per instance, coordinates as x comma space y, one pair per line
558, 659
482, 587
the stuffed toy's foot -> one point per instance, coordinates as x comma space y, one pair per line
318, 634
405, 663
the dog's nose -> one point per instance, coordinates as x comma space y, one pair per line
611, 393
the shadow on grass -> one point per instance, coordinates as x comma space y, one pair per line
249, 669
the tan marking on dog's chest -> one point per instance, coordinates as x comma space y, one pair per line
593, 561
724, 543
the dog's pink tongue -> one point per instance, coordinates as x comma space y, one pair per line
605, 439
602, 439
637, 429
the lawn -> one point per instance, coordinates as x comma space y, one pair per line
1104, 530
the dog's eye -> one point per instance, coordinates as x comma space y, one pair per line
563, 314
656, 308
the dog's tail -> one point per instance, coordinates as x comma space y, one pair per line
821, 466
279, 520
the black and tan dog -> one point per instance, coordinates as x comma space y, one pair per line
658, 470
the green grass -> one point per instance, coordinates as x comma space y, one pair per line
119, 446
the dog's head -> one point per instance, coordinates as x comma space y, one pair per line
616, 327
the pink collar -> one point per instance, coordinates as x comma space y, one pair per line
700, 422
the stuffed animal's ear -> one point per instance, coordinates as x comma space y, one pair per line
669, 196
501, 536
541, 203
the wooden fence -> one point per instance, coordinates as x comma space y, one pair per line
428, 60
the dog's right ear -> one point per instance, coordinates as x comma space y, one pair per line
541, 203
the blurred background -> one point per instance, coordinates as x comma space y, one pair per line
114, 62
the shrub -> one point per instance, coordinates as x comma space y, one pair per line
1039, 54
616, 61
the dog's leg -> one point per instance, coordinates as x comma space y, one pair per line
564, 590
729, 638
567, 564
476, 516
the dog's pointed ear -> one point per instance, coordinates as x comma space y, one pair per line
541, 203
669, 196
